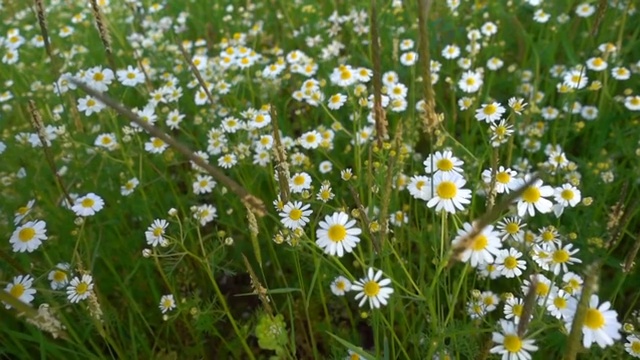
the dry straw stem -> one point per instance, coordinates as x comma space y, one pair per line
257, 287
365, 219
43, 27
430, 118
36, 122
386, 192
196, 73
590, 281
487, 218
282, 166
528, 305
256, 205
629, 261
105, 37
378, 111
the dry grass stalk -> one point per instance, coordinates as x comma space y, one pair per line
588, 287
282, 166
42, 22
105, 36
196, 73
430, 119
378, 112
260, 290
528, 305
630, 259
256, 205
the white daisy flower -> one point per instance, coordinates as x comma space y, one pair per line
448, 194
443, 162
88, 205
59, 276
558, 303
600, 323
490, 113
167, 303
509, 264
511, 345
299, 182
373, 288
29, 237
21, 288
505, 179
561, 256
481, 249
632, 346
337, 234
155, 233
80, 288
420, 187
340, 286
534, 198
295, 215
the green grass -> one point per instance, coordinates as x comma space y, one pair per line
246, 287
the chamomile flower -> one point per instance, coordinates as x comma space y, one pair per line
336, 101
509, 264
534, 198
632, 346
79, 288
572, 283
299, 182
59, 276
21, 289
576, 79
227, 161
90, 105
155, 233
543, 288
29, 237
470, 82
155, 146
565, 196
295, 215
491, 112
373, 288
106, 141
448, 193
443, 162
420, 187
203, 184
337, 234
561, 256
620, 73
600, 323
450, 52
204, 213
88, 205
505, 179
558, 303
511, 345
513, 309
632, 102
129, 186
481, 249
324, 193
340, 286
23, 212
409, 58
310, 139
167, 303
130, 76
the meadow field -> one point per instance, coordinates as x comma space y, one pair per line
300, 179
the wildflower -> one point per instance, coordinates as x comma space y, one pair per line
470, 82
129, 186
203, 184
558, 304
325, 167
29, 236
80, 288
600, 323
576, 79
517, 105
511, 228
572, 283
540, 16
20, 288
299, 182
561, 257
310, 139
155, 233
585, 10
346, 174
620, 73
409, 58
488, 270
130, 76
155, 146
443, 162
340, 286
205, 213
448, 193
481, 249
450, 52
632, 102
373, 288
295, 215
167, 303
337, 234
465, 103
565, 196
490, 112
543, 289
59, 276
490, 300
505, 179
23, 211
509, 264
89, 105
476, 309
533, 198
596, 64
632, 346
510, 344
513, 309
343, 76
106, 141
325, 194
88, 205
227, 161
99, 78
336, 101
398, 218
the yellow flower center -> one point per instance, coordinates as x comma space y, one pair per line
91, 102
512, 343
311, 138
598, 62
420, 184
106, 140
480, 243
447, 190
503, 177
517, 310
298, 180
567, 194
167, 303
445, 165
82, 288
594, 319
490, 109
470, 81
337, 233
635, 347
23, 210
26, 234
345, 74
335, 99
512, 228
531, 195
548, 236
17, 290
157, 231
88, 202
560, 256
98, 76
510, 262
340, 285
59, 276
560, 302
295, 214
542, 289
371, 288
131, 75
259, 118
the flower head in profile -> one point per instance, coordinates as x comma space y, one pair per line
373, 288
337, 234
